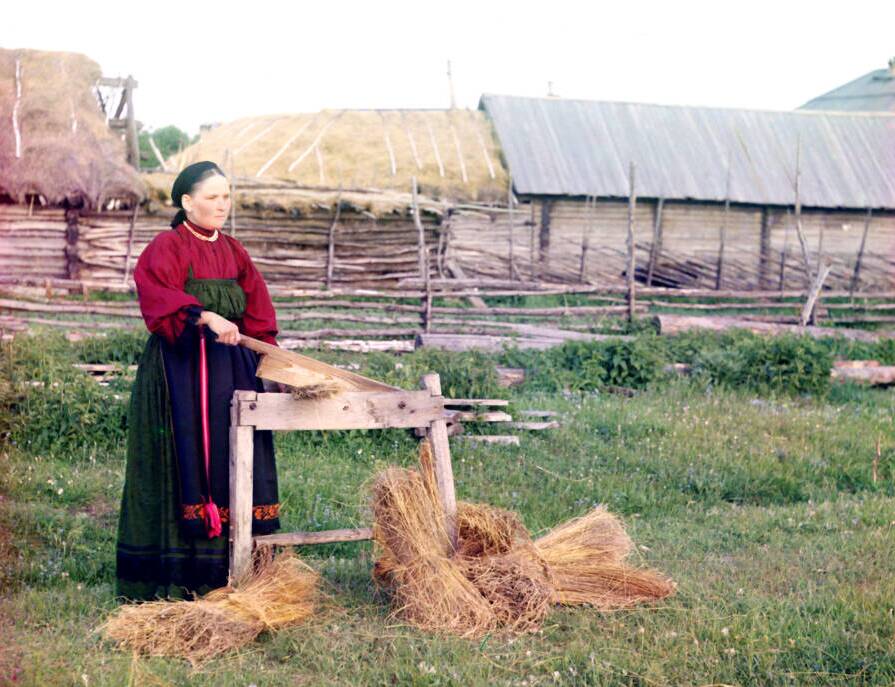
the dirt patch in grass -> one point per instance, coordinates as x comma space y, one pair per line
104, 511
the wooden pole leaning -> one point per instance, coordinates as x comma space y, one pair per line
378, 409
130, 242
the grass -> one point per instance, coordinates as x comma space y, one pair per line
764, 509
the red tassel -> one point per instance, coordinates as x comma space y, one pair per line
212, 520
212, 516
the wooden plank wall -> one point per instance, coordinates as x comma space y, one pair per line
690, 239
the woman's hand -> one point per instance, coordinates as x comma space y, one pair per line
227, 331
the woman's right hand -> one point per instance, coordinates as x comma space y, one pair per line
227, 331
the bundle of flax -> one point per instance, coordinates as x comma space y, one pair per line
497, 578
280, 591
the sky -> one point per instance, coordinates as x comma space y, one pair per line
204, 62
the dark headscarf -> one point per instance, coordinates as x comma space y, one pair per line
186, 182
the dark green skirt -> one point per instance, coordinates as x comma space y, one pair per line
154, 557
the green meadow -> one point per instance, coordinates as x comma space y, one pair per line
765, 492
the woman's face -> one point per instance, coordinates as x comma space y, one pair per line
209, 204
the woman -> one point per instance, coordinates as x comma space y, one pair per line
198, 291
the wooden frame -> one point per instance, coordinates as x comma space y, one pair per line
250, 410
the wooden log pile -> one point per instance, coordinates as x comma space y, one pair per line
33, 242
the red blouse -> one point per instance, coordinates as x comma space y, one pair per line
162, 271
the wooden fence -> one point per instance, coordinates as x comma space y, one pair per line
475, 313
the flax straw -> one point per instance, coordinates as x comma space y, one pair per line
498, 578
280, 591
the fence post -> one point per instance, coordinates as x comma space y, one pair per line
656, 246
331, 243
241, 458
441, 452
860, 258
632, 208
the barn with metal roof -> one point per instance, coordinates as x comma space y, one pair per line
701, 173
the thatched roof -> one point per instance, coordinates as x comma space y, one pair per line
269, 199
54, 140
452, 153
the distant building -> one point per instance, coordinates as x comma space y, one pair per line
690, 162
873, 92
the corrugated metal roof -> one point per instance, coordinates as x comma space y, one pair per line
873, 92
579, 147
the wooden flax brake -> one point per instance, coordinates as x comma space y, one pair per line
351, 401
302, 372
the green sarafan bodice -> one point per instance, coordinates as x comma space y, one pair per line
222, 296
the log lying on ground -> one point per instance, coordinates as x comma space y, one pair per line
356, 345
863, 372
108, 309
495, 344
503, 439
535, 426
875, 376
852, 364
468, 402
473, 416
675, 324
25, 322
362, 346
561, 311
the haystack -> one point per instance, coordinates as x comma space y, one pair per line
497, 578
55, 142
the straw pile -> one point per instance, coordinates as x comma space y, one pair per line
497, 578
54, 140
280, 591
587, 558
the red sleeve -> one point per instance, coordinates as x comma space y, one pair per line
260, 318
160, 275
